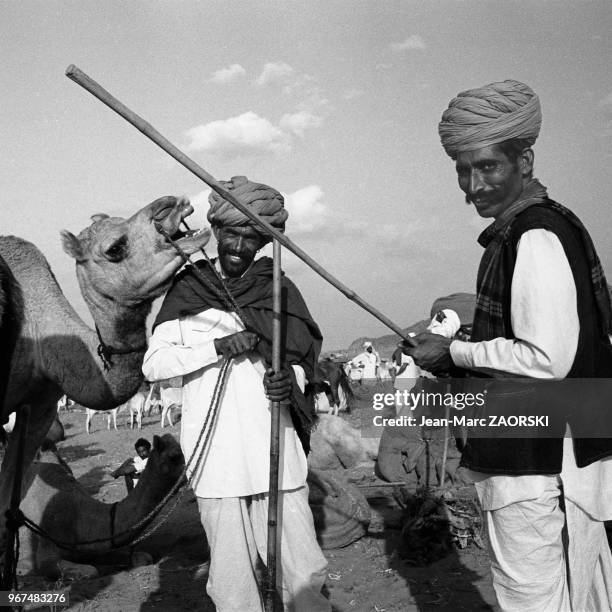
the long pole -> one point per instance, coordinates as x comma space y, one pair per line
270, 590
85, 81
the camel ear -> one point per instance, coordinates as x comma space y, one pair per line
99, 217
158, 445
72, 245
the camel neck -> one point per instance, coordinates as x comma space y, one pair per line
121, 326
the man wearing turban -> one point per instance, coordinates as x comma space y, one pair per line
368, 361
197, 328
542, 312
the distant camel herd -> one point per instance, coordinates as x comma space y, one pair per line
159, 395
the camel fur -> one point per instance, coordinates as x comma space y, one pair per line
61, 506
122, 265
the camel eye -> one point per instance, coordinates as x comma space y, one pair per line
117, 250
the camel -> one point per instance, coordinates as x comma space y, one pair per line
122, 265
64, 403
135, 406
111, 415
165, 395
333, 384
63, 508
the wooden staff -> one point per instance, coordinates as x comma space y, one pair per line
85, 81
445, 451
270, 588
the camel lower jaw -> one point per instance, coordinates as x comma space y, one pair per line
194, 241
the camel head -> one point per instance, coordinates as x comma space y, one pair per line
168, 456
128, 260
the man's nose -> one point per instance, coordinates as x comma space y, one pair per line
476, 182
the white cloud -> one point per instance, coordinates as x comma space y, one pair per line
225, 75
273, 72
200, 200
307, 210
298, 84
412, 43
298, 123
244, 134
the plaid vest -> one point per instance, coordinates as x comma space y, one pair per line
593, 357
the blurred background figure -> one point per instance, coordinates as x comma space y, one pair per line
133, 467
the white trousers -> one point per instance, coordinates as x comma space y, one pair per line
236, 528
544, 559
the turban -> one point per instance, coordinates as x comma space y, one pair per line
478, 118
261, 199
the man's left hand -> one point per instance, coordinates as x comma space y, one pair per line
432, 353
278, 386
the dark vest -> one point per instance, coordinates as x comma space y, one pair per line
587, 408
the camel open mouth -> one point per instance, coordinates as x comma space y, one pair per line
168, 215
193, 240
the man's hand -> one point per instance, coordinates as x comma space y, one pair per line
432, 353
278, 386
236, 344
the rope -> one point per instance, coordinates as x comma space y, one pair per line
206, 428
228, 298
105, 351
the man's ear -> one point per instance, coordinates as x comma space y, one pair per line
526, 162
215, 231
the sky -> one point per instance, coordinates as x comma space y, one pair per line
334, 103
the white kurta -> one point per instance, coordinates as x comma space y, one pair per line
369, 361
237, 462
140, 465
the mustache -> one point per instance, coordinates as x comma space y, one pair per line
481, 196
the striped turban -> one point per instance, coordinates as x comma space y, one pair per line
477, 118
261, 199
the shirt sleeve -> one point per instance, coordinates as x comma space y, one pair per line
300, 376
544, 316
168, 357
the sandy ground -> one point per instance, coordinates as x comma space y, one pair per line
365, 576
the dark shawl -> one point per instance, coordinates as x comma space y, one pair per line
301, 337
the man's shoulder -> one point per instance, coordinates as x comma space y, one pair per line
548, 216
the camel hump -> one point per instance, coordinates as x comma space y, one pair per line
19, 252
